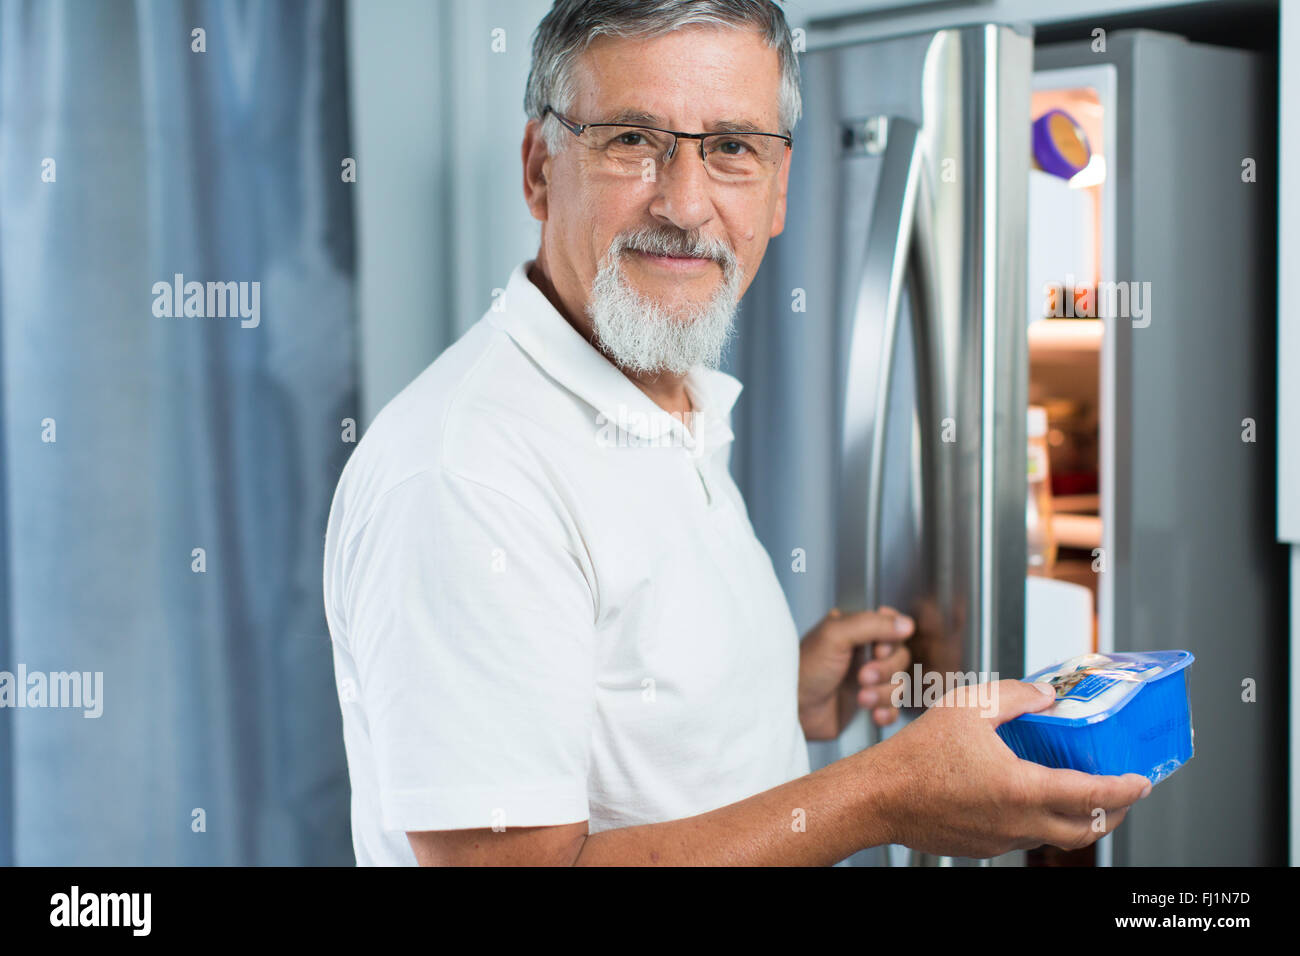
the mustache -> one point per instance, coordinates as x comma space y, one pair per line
669, 241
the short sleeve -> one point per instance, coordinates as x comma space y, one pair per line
471, 625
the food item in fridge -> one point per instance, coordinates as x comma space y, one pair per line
1114, 714
1038, 502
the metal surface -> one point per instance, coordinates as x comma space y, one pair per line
871, 350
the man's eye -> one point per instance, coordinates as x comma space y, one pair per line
732, 147
630, 139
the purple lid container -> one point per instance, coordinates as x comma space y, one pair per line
1048, 152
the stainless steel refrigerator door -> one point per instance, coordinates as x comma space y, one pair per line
881, 435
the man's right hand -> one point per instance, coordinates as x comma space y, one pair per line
961, 791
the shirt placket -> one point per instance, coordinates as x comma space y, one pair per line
700, 448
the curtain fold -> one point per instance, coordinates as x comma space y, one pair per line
170, 534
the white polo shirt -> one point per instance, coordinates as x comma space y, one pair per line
546, 600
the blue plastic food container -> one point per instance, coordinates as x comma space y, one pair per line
1114, 714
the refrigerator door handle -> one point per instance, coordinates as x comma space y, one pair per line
900, 238
867, 375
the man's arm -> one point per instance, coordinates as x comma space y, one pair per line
815, 820
945, 784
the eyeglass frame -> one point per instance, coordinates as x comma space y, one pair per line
577, 129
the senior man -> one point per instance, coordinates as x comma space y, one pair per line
557, 639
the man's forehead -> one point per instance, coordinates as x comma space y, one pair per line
646, 80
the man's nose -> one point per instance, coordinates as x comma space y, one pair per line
683, 194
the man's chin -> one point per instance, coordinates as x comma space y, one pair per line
676, 301
681, 313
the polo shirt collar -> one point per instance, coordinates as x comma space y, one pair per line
541, 331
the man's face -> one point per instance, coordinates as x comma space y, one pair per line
699, 79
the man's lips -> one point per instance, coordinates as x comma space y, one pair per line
675, 263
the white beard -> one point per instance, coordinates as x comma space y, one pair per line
641, 336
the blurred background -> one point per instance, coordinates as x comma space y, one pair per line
165, 480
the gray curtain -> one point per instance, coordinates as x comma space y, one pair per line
220, 739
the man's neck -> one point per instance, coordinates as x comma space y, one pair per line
665, 389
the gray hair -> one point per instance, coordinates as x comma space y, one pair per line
571, 25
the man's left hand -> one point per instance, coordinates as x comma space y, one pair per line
828, 694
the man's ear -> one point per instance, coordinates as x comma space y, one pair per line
783, 184
537, 170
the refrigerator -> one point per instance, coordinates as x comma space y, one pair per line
896, 333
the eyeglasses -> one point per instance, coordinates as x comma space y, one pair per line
728, 157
